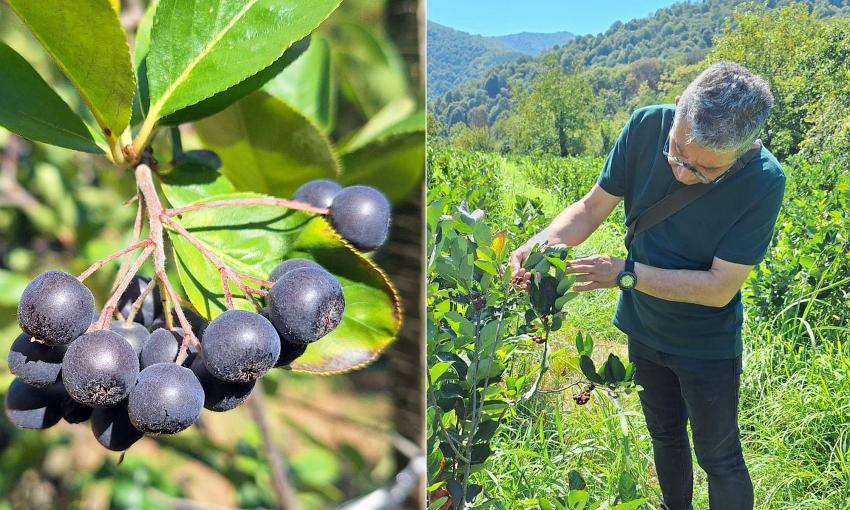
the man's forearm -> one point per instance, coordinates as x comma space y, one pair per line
698, 287
571, 227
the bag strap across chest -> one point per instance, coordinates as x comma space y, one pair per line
676, 201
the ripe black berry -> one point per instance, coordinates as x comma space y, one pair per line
112, 428
166, 399
73, 411
361, 215
289, 352
319, 193
289, 265
55, 308
135, 334
33, 408
240, 346
306, 304
100, 368
162, 347
220, 395
151, 306
35, 363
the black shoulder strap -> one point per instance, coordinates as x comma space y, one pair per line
676, 201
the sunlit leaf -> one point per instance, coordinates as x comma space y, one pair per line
87, 42
198, 52
309, 84
268, 147
30, 108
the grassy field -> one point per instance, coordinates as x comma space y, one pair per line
795, 401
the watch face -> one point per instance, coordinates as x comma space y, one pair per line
627, 281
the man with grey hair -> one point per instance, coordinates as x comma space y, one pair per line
680, 304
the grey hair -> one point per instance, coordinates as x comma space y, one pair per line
726, 107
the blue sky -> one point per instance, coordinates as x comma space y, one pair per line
500, 17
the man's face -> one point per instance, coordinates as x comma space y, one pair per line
709, 163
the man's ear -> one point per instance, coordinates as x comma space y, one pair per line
676, 101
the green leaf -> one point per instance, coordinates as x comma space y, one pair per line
438, 504
480, 452
576, 481
87, 42
372, 315
589, 370
438, 369
268, 147
30, 108
192, 180
143, 33
614, 370
394, 164
372, 72
198, 52
222, 100
254, 239
13, 285
309, 84
398, 116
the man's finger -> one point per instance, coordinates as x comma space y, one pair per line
585, 278
587, 287
582, 268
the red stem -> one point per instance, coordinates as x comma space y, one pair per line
109, 309
137, 231
275, 202
155, 214
102, 262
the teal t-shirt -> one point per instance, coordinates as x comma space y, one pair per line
733, 222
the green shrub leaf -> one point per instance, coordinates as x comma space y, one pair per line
267, 147
223, 99
198, 52
30, 108
309, 84
394, 164
87, 42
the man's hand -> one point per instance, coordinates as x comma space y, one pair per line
598, 271
519, 276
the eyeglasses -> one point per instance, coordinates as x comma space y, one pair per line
678, 162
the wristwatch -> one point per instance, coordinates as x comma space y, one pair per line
627, 279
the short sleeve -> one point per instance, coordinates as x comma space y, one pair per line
747, 241
613, 176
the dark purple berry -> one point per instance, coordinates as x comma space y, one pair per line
166, 399
162, 347
220, 395
318, 193
240, 346
112, 428
306, 304
100, 368
289, 352
35, 363
29, 407
56, 308
289, 265
135, 334
151, 306
361, 215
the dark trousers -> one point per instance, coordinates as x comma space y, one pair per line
677, 389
